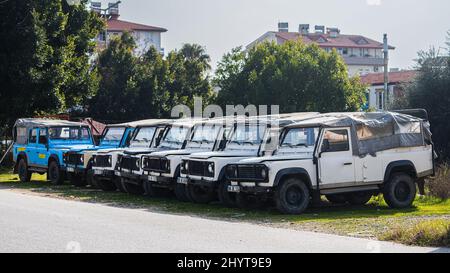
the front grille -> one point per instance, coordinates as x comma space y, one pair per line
102, 161
247, 172
129, 163
155, 164
74, 159
199, 168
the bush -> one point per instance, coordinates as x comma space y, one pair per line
425, 233
439, 185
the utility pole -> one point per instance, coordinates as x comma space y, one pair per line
386, 72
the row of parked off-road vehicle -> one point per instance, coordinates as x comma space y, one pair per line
289, 160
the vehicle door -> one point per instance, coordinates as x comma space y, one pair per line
336, 161
42, 148
32, 151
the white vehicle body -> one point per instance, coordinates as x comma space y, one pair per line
164, 166
340, 157
236, 151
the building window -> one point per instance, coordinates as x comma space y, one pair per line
376, 69
379, 98
345, 51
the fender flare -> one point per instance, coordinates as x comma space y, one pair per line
398, 163
292, 171
53, 157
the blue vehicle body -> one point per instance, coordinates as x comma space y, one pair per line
40, 145
78, 161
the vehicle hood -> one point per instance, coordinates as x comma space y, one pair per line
75, 148
256, 160
136, 151
235, 153
177, 152
107, 151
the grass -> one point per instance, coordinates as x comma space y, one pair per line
374, 220
424, 233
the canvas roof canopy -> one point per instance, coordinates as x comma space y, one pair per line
143, 123
39, 122
375, 131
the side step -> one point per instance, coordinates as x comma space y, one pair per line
350, 189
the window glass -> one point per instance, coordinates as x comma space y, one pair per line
335, 141
114, 134
69, 133
143, 137
248, 134
300, 137
33, 136
21, 135
206, 133
42, 136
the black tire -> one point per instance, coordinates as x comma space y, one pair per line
77, 180
359, 198
201, 194
152, 191
227, 198
180, 192
105, 185
118, 182
55, 175
249, 201
133, 188
292, 196
24, 173
400, 191
336, 198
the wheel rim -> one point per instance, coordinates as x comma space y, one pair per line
402, 191
294, 196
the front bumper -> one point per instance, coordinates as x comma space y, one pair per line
75, 169
162, 180
236, 187
104, 174
199, 182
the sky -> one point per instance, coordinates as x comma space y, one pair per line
220, 25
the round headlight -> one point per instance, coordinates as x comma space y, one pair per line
186, 165
109, 159
82, 159
167, 165
94, 159
263, 173
138, 162
211, 167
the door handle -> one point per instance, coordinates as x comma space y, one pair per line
348, 163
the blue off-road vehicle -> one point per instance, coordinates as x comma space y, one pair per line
79, 161
40, 145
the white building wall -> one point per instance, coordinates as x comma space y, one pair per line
374, 91
360, 70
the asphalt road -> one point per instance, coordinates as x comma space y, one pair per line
39, 224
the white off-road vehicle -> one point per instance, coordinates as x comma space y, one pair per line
163, 168
129, 167
146, 135
348, 157
204, 173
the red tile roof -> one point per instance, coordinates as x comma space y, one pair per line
394, 77
120, 25
342, 40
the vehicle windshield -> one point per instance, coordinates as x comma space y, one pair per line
204, 135
113, 134
247, 135
69, 133
143, 137
175, 137
299, 140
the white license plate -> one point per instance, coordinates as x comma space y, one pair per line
232, 188
182, 180
116, 173
70, 169
152, 178
98, 172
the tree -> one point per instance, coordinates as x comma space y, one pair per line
295, 76
44, 52
431, 90
188, 76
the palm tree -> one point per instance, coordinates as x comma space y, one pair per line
195, 53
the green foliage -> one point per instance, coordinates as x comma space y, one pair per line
431, 91
44, 57
295, 76
136, 87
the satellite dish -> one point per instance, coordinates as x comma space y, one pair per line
73, 2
